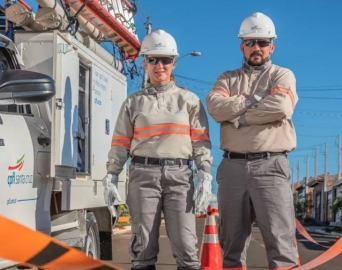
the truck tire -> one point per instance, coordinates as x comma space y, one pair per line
92, 240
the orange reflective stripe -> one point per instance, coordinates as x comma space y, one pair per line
222, 92
137, 129
235, 268
198, 131
121, 138
159, 133
117, 141
283, 268
121, 144
284, 90
199, 135
200, 138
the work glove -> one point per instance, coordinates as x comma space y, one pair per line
252, 100
202, 193
239, 121
111, 193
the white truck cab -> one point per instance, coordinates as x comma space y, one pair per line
56, 124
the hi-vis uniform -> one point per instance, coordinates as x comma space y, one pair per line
161, 128
253, 177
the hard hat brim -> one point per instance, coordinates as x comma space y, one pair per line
157, 52
257, 35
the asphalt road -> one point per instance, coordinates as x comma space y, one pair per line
256, 259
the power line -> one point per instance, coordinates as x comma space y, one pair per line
320, 127
319, 90
316, 136
320, 97
320, 114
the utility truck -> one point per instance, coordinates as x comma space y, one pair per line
60, 94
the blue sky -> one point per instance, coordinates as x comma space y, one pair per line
309, 43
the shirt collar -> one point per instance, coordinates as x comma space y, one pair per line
160, 88
256, 68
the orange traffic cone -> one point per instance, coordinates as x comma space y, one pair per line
211, 254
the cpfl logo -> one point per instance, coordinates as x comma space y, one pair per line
19, 165
17, 178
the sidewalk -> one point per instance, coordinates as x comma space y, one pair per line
321, 230
121, 229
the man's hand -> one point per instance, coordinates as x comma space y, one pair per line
239, 121
202, 193
110, 183
252, 100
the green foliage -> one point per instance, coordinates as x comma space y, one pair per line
336, 205
123, 210
299, 210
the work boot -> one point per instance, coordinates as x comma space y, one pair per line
144, 267
190, 268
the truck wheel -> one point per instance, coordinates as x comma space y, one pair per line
92, 240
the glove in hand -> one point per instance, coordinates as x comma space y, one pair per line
202, 193
111, 193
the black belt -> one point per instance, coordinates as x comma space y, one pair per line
160, 161
252, 156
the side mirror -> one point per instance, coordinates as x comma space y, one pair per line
22, 86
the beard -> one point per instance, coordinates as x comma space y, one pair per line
255, 63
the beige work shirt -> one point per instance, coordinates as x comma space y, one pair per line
269, 126
161, 122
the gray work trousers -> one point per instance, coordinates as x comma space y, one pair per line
156, 188
256, 189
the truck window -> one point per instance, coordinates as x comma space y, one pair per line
6, 64
83, 160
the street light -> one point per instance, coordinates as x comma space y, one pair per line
194, 53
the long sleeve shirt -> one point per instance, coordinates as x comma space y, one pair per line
161, 122
269, 125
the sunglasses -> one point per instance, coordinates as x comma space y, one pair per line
163, 60
261, 42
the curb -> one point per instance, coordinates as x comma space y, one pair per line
121, 230
323, 232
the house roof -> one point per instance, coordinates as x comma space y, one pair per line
337, 183
315, 182
300, 187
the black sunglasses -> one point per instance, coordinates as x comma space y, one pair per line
261, 42
163, 60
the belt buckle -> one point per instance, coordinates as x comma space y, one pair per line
254, 156
167, 162
162, 161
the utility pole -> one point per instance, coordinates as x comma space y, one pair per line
292, 177
325, 187
306, 183
316, 162
298, 169
325, 167
307, 173
148, 28
339, 158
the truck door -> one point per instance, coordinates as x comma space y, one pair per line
17, 192
65, 142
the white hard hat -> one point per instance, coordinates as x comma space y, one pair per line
158, 42
257, 25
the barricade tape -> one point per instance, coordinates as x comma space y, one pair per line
35, 249
303, 232
326, 256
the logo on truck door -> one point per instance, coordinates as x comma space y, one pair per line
19, 165
15, 177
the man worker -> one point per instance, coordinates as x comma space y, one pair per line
254, 106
